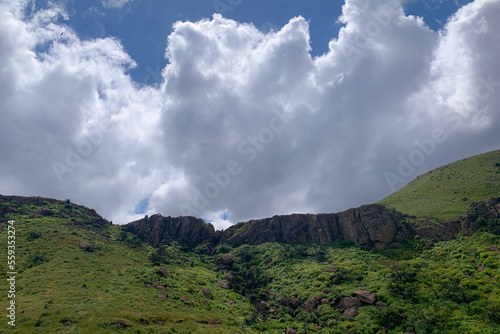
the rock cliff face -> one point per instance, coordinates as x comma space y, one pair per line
467, 223
187, 231
489, 209
370, 226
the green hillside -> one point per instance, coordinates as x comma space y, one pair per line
76, 273
447, 191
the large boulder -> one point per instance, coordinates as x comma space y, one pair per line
227, 259
310, 305
366, 297
350, 313
162, 272
223, 285
349, 302
206, 292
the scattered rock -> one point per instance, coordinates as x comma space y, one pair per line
206, 292
105, 234
223, 285
481, 268
162, 272
494, 248
158, 286
273, 311
349, 302
310, 305
325, 291
227, 259
214, 322
336, 281
290, 331
350, 313
122, 323
324, 301
162, 296
91, 232
46, 212
331, 270
86, 246
380, 304
159, 323
74, 233
265, 305
230, 302
186, 300
228, 277
366, 296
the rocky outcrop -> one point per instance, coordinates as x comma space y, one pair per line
370, 226
467, 223
486, 210
187, 231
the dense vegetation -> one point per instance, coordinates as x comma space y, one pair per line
91, 278
447, 192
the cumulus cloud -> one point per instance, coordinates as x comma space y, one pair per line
245, 124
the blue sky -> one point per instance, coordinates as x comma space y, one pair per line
143, 25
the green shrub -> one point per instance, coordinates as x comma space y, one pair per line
67, 321
388, 317
34, 235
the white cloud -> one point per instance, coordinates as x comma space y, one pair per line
115, 3
244, 121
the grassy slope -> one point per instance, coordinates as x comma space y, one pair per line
57, 280
64, 289
447, 192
